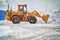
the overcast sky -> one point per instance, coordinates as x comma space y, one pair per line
38, 5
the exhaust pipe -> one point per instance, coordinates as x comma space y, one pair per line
8, 8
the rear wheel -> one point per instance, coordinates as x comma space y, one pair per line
32, 20
15, 20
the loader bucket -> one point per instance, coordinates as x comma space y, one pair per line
45, 18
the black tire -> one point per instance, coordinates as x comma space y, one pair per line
15, 17
35, 20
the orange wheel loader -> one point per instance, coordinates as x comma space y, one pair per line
23, 16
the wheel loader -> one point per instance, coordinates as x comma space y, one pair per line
23, 16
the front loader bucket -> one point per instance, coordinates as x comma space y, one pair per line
45, 18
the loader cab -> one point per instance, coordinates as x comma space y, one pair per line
22, 8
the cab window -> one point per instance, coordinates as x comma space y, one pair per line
21, 8
25, 9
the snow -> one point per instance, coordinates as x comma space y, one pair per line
27, 31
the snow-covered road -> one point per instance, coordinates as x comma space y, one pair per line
27, 31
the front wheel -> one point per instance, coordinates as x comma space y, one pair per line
32, 20
15, 20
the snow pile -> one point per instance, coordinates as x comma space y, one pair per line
54, 17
